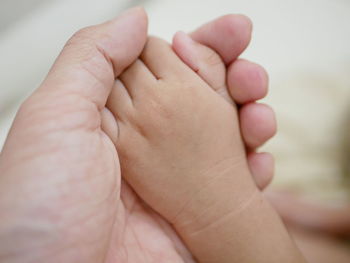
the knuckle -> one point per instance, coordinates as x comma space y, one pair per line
85, 49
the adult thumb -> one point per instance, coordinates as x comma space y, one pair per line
78, 84
94, 57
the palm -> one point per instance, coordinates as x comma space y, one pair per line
139, 234
78, 195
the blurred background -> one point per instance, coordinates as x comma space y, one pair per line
304, 45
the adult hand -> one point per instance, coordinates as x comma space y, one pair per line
60, 176
62, 198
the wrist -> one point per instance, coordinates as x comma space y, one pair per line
226, 193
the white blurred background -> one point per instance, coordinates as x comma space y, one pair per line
305, 46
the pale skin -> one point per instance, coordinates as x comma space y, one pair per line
60, 179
